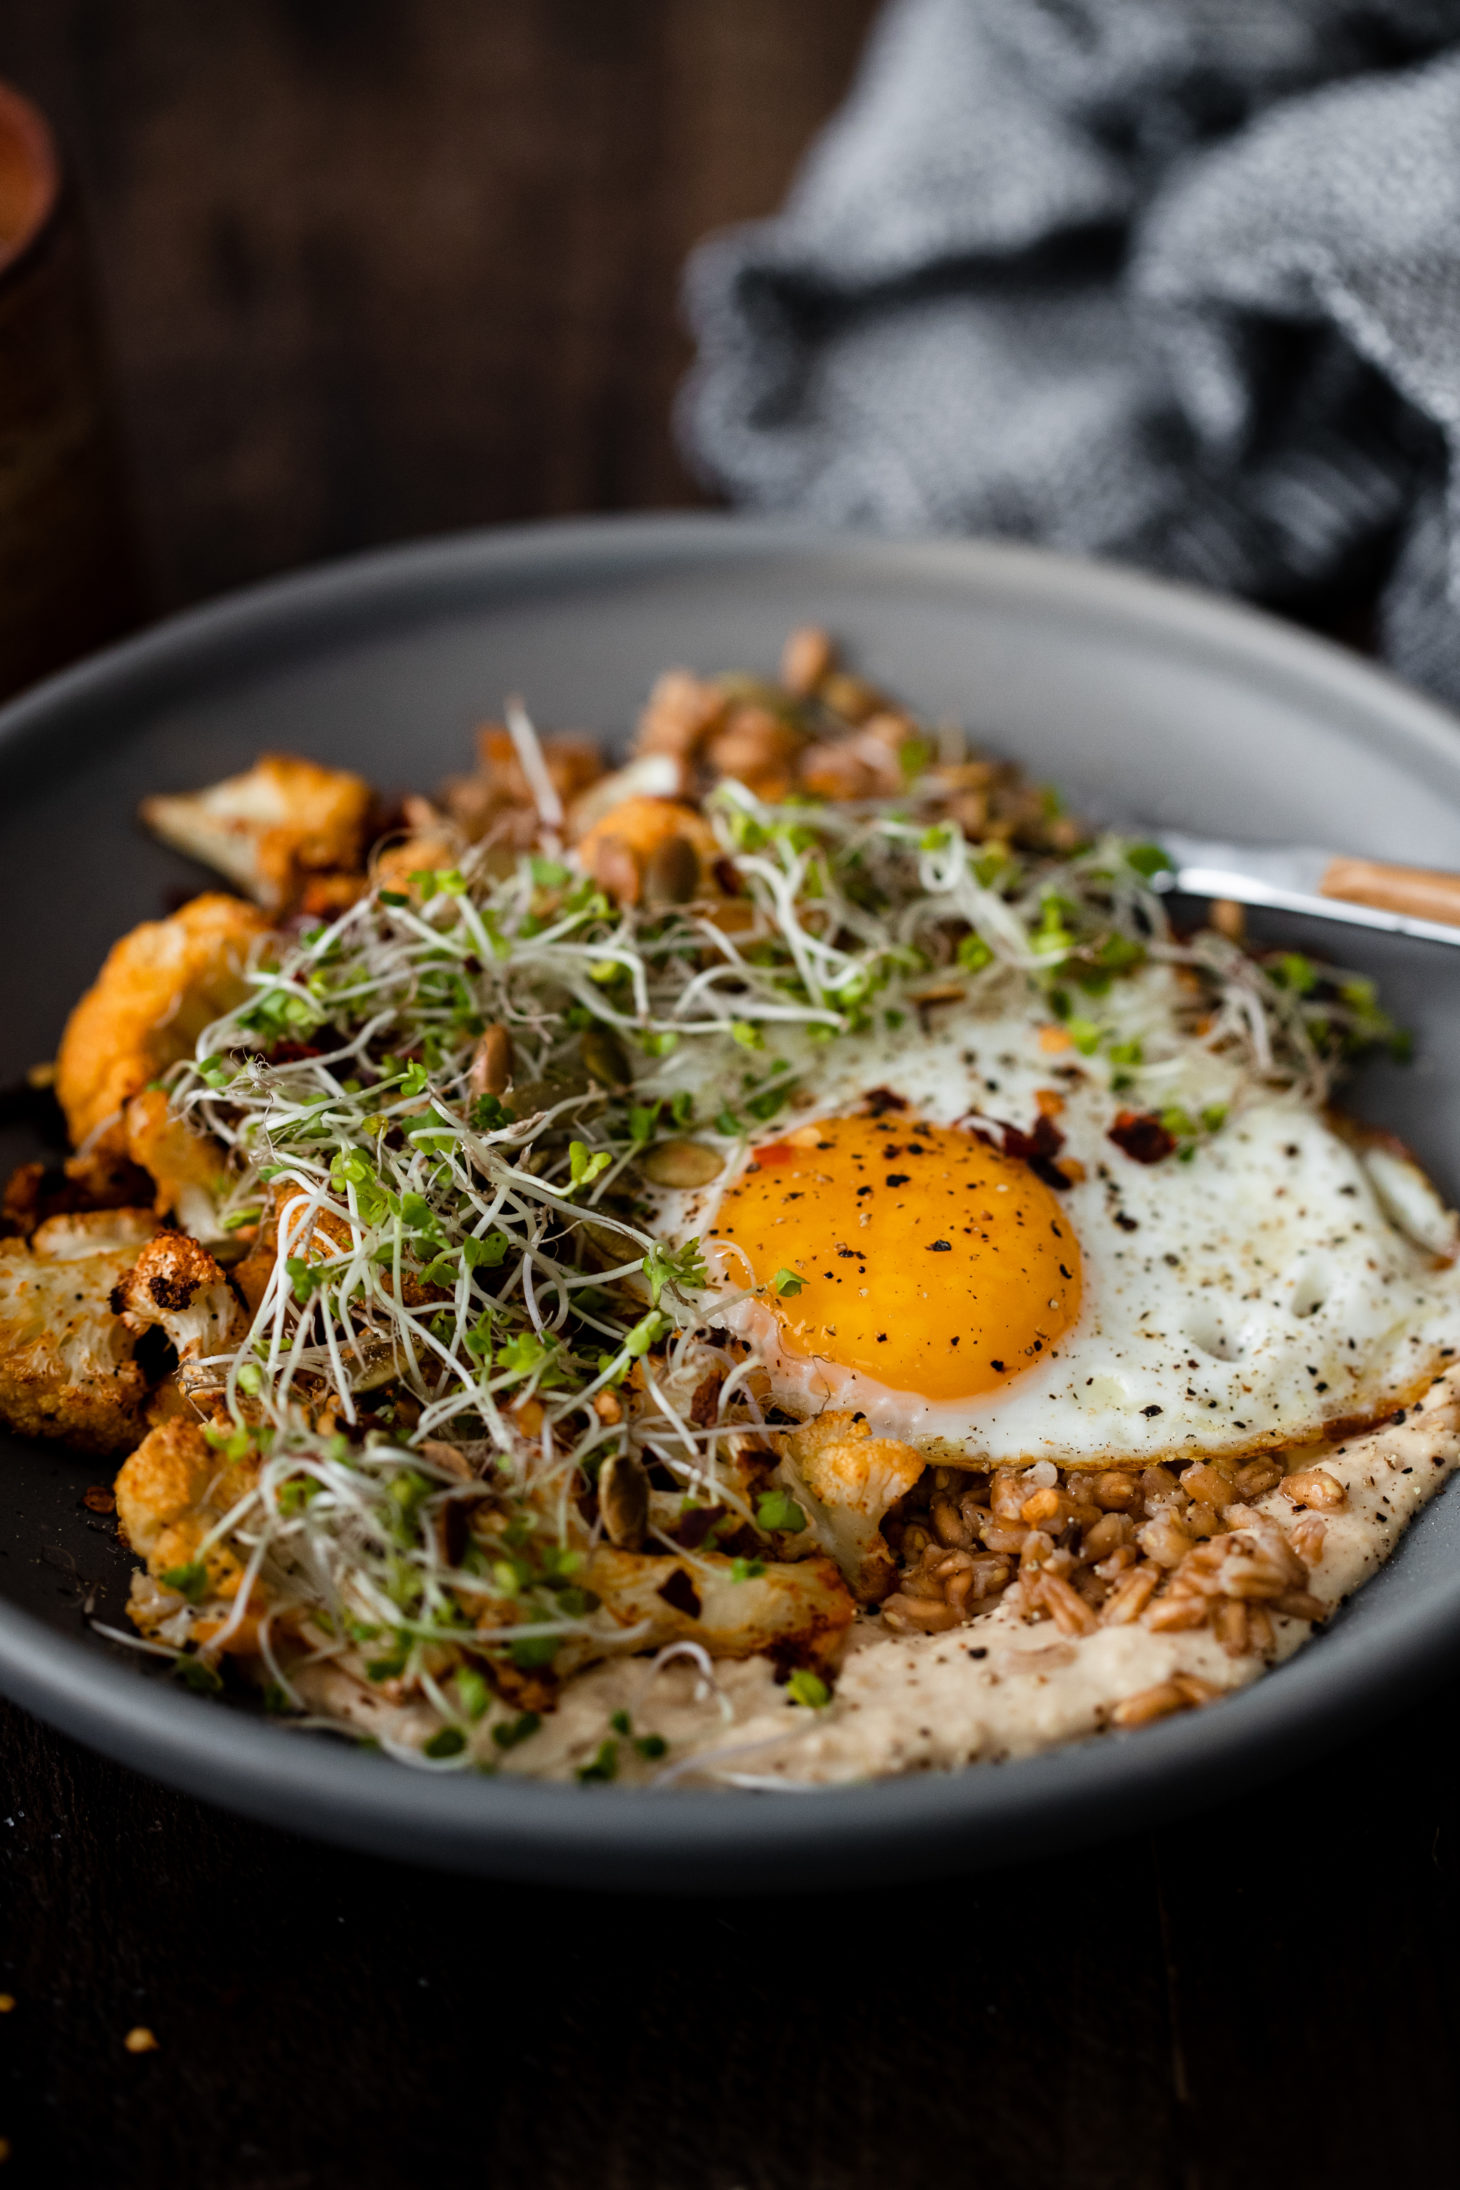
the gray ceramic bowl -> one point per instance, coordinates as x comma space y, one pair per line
1184, 708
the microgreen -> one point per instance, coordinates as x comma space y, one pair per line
459, 1268
776, 1510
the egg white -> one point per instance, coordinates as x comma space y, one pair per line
1246, 1298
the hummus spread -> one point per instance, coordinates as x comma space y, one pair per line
996, 1688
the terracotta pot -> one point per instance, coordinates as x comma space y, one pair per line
69, 566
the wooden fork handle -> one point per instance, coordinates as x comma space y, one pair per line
1419, 892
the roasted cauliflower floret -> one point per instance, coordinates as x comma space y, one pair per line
848, 1479
170, 1494
654, 848
176, 1286
187, 1168
272, 828
163, 1483
160, 986
800, 1611
67, 1366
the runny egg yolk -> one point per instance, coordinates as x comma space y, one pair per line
913, 1253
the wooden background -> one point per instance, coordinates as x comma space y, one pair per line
375, 268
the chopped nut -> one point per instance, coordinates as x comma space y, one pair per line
681, 713
850, 697
806, 660
1315, 1487
1306, 1537
1257, 1477
755, 747
140, 2040
835, 769
1203, 1481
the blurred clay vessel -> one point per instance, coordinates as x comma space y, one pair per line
69, 567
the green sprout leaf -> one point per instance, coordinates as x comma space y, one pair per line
682, 1266
449, 1742
507, 1733
646, 1333
190, 1581
604, 1766
197, 1674
584, 1166
777, 1512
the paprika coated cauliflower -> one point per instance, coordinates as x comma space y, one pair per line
67, 1360
189, 1169
171, 1492
160, 986
272, 828
175, 1286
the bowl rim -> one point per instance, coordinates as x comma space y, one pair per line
682, 1840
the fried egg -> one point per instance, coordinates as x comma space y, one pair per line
882, 1251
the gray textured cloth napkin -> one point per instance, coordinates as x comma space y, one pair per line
1176, 281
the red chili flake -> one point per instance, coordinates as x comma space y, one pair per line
680, 1592
1038, 1149
691, 1529
774, 1152
1141, 1136
98, 1499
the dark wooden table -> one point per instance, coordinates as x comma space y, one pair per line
375, 268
